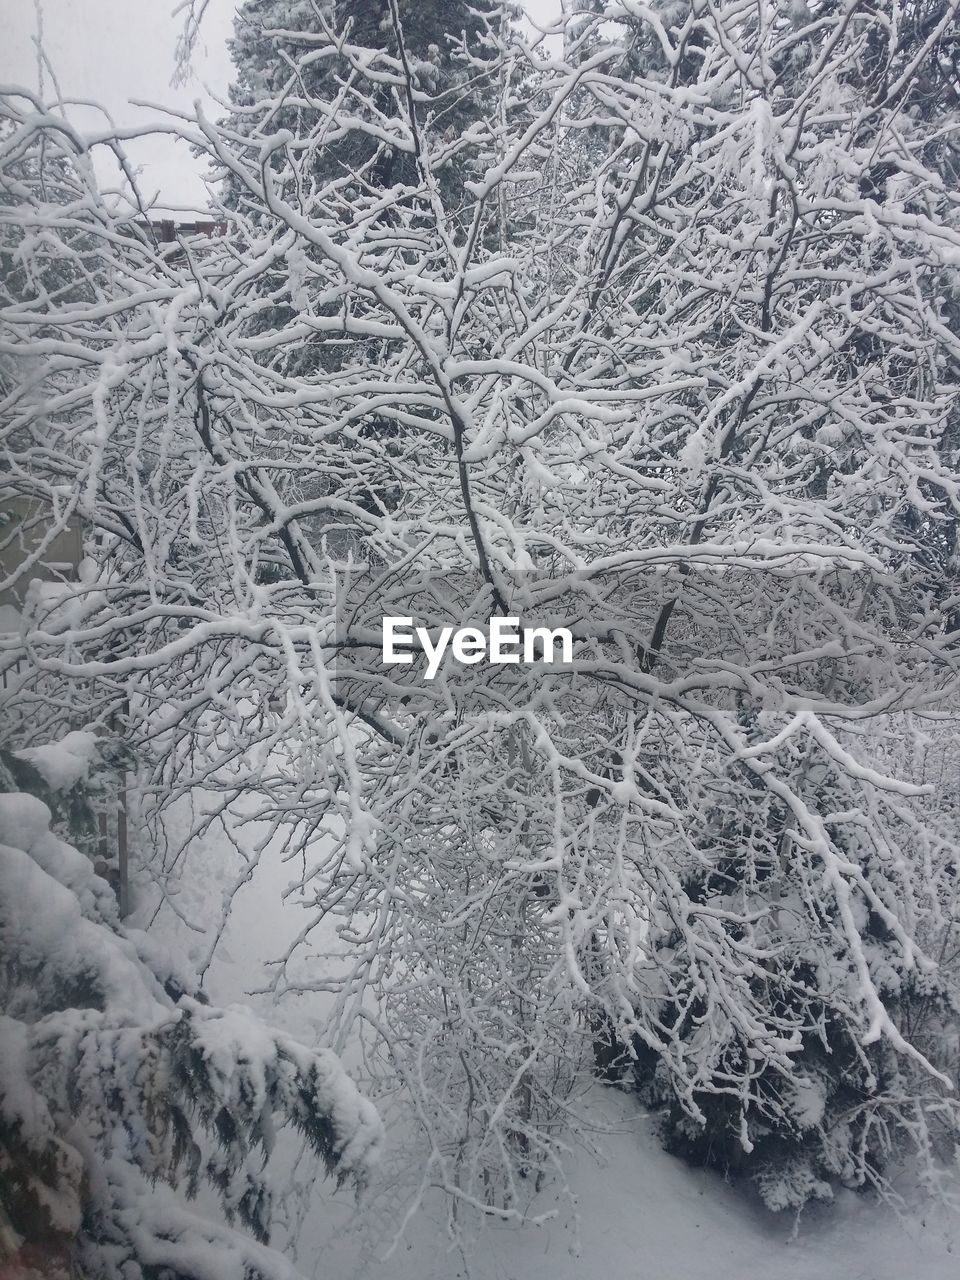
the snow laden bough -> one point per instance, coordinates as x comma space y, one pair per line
120, 1094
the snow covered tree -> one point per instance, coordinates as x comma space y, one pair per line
699, 405
116, 1084
371, 88
840, 1114
677, 45
387, 105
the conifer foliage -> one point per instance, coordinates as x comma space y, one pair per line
115, 1081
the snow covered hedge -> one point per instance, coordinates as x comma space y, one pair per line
114, 1081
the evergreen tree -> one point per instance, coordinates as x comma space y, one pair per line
397, 105
122, 1090
355, 72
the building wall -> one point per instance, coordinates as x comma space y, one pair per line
24, 524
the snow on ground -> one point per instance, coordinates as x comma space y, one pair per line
637, 1213
644, 1214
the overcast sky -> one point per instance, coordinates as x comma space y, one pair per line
112, 51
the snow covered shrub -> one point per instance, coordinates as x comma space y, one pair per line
838, 1106
113, 1081
842, 1114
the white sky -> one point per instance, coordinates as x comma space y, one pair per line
112, 51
